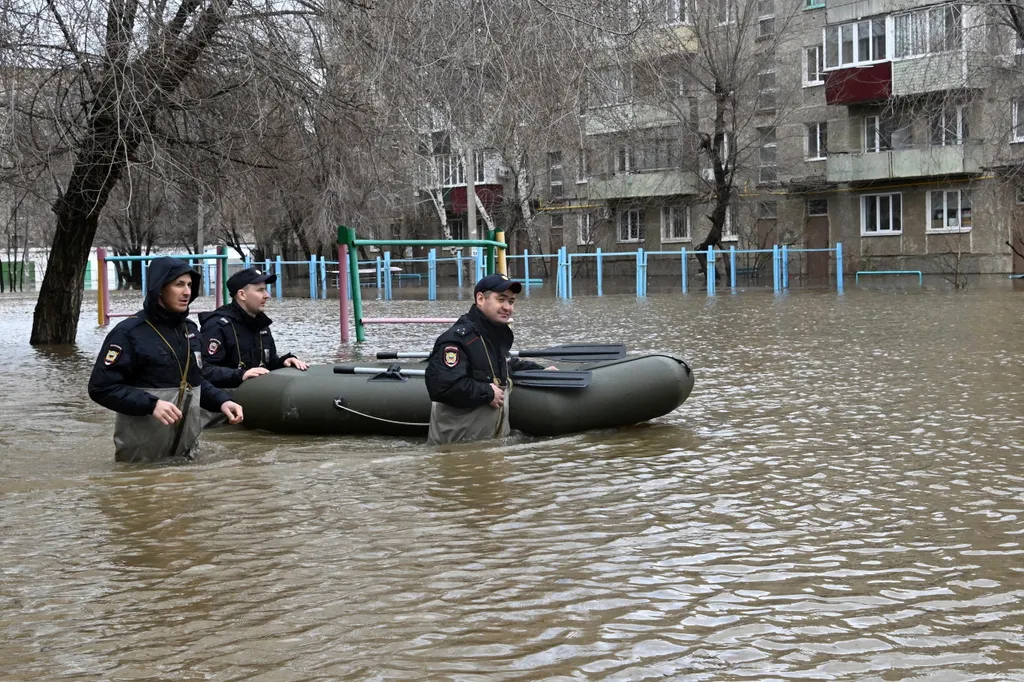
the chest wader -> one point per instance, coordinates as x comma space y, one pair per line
459, 424
145, 439
212, 420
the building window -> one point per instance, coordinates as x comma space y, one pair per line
928, 31
625, 159
1018, 119
585, 233
816, 143
612, 86
1020, 194
631, 225
884, 133
948, 126
728, 229
767, 169
555, 173
765, 18
557, 222
478, 167
1018, 48
949, 210
725, 11
813, 4
859, 42
881, 214
766, 90
457, 228
451, 169
767, 210
813, 66
582, 166
674, 11
675, 224
817, 207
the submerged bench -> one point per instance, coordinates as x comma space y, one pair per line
920, 277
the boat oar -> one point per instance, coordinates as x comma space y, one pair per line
534, 378
571, 352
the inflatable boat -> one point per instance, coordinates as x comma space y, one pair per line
322, 401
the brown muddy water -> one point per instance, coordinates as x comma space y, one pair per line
841, 498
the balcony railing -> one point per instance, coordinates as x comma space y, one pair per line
655, 183
855, 84
909, 162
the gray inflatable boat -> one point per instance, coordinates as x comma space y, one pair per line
319, 401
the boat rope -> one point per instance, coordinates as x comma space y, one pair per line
337, 403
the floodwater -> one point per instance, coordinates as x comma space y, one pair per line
841, 498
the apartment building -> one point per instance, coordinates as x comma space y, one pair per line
893, 126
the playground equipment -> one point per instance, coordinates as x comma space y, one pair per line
348, 269
103, 288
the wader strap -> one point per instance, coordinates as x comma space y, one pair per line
238, 347
183, 384
508, 388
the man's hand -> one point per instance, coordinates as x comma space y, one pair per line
551, 367
233, 411
296, 363
254, 372
499, 396
166, 413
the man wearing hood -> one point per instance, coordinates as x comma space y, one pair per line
237, 342
468, 371
149, 371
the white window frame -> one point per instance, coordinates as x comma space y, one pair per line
582, 167
625, 159
947, 197
767, 93
819, 62
814, 4
585, 229
556, 174
633, 220
914, 32
669, 214
728, 229
855, 28
763, 145
819, 132
725, 12
1017, 111
673, 10
940, 120
878, 230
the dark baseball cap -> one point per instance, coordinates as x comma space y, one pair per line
247, 277
498, 283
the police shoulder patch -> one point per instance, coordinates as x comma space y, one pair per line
113, 353
451, 356
213, 347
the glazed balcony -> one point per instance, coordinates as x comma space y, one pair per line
910, 162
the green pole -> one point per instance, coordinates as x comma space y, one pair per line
347, 236
490, 254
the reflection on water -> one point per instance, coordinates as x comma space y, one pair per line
840, 498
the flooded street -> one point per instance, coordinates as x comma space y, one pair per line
841, 498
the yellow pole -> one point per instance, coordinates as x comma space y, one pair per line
499, 236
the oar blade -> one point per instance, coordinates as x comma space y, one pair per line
578, 352
542, 378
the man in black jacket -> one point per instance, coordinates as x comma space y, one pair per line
468, 371
149, 371
237, 341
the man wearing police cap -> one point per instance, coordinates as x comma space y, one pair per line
237, 341
468, 371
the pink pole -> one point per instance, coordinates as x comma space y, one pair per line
410, 320
343, 290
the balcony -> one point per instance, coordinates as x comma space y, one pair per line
912, 162
655, 183
856, 84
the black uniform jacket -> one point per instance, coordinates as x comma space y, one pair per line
235, 341
134, 357
468, 357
